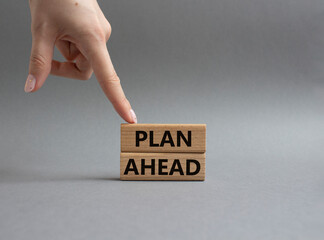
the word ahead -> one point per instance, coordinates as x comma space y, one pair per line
162, 166
163, 138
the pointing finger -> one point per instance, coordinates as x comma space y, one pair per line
108, 79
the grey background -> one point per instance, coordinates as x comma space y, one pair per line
252, 70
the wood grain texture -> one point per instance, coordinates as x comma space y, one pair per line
163, 138
162, 166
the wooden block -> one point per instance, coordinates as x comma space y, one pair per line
162, 166
163, 138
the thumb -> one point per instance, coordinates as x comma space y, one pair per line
40, 61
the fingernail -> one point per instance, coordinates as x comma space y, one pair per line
30, 83
133, 116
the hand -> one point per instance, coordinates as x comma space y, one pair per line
79, 30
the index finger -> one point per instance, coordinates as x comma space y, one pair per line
109, 81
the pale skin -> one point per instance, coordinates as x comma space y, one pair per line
79, 30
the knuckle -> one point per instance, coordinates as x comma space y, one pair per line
96, 33
107, 30
40, 28
86, 75
83, 75
37, 60
113, 78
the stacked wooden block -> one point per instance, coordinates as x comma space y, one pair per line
163, 152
